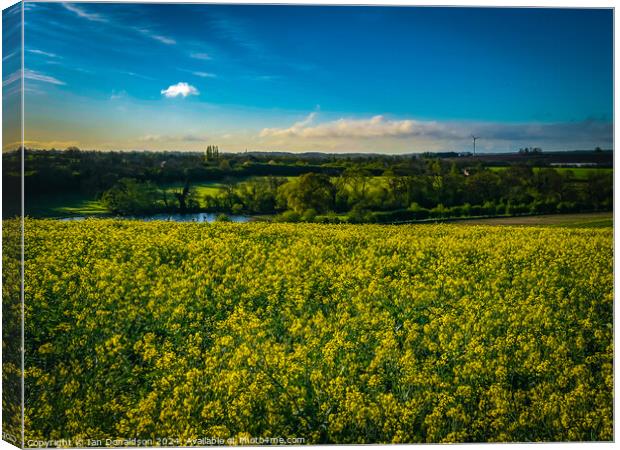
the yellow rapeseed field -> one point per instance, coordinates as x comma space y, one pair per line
330, 333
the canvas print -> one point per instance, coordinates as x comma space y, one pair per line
306, 224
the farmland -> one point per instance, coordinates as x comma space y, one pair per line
576, 173
323, 188
591, 220
331, 333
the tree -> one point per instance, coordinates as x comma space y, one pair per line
357, 180
309, 191
224, 165
482, 186
227, 196
129, 196
517, 184
212, 153
186, 197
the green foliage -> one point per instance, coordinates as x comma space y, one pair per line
309, 215
309, 191
325, 183
237, 208
212, 153
130, 196
289, 216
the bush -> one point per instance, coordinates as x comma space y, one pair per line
418, 212
440, 211
466, 210
566, 207
500, 208
237, 208
456, 211
222, 218
130, 196
309, 215
289, 216
517, 208
542, 207
476, 210
488, 209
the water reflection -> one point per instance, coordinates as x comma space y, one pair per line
193, 217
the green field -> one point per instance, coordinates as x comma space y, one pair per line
330, 333
79, 204
202, 188
578, 173
63, 205
584, 220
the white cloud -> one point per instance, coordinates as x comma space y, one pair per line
375, 127
180, 89
441, 134
203, 56
83, 14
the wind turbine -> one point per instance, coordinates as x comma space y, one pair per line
475, 138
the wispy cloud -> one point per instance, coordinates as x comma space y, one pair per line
95, 17
193, 138
181, 89
43, 53
158, 37
163, 39
80, 12
50, 144
38, 76
236, 31
137, 75
117, 95
31, 75
172, 138
198, 55
151, 138
10, 55
205, 74
266, 77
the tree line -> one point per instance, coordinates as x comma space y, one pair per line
315, 186
356, 195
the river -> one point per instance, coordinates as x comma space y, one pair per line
191, 217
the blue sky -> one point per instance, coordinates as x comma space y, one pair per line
298, 78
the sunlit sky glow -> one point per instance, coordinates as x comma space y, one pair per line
297, 78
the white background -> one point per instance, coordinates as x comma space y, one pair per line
547, 3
